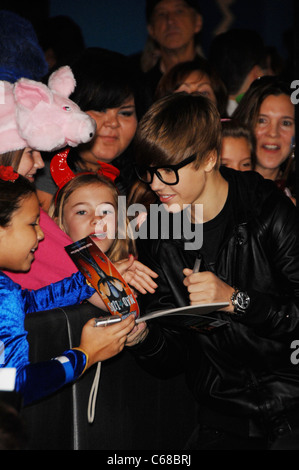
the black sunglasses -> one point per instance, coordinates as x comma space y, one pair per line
168, 174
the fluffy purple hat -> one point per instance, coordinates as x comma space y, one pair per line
20, 52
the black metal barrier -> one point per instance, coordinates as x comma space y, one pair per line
134, 411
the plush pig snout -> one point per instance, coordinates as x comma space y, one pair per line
82, 130
87, 129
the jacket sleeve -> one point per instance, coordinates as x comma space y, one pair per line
163, 353
276, 315
70, 291
171, 292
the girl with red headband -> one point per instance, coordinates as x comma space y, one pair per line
86, 204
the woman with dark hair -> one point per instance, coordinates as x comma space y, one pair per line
106, 89
268, 110
194, 76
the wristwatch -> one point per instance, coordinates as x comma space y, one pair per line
240, 301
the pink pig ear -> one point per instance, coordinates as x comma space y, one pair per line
62, 81
29, 93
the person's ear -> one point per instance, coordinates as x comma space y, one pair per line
198, 23
256, 72
210, 162
150, 31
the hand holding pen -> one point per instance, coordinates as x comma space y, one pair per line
205, 287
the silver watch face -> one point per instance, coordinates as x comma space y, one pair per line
242, 300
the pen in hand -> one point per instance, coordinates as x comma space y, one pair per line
197, 264
109, 320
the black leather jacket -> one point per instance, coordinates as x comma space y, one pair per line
242, 373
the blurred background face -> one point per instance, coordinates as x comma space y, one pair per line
274, 130
198, 82
174, 24
236, 154
116, 128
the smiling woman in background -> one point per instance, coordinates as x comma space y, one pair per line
270, 113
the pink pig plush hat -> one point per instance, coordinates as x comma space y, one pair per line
42, 117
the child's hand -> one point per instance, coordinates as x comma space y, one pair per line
137, 275
103, 342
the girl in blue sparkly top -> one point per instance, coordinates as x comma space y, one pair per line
20, 235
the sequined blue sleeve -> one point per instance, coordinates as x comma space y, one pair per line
70, 291
36, 381
15, 303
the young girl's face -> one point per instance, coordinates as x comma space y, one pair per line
31, 161
91, 211
274, 130
19, 240
116, 128
236, 154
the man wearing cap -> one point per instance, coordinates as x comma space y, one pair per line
173, 25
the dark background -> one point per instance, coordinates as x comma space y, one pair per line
120, 25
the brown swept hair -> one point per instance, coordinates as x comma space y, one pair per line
176, 127
12, 158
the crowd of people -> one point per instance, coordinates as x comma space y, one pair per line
182, 131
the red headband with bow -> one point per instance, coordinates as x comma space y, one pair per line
62, 174
7, 173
